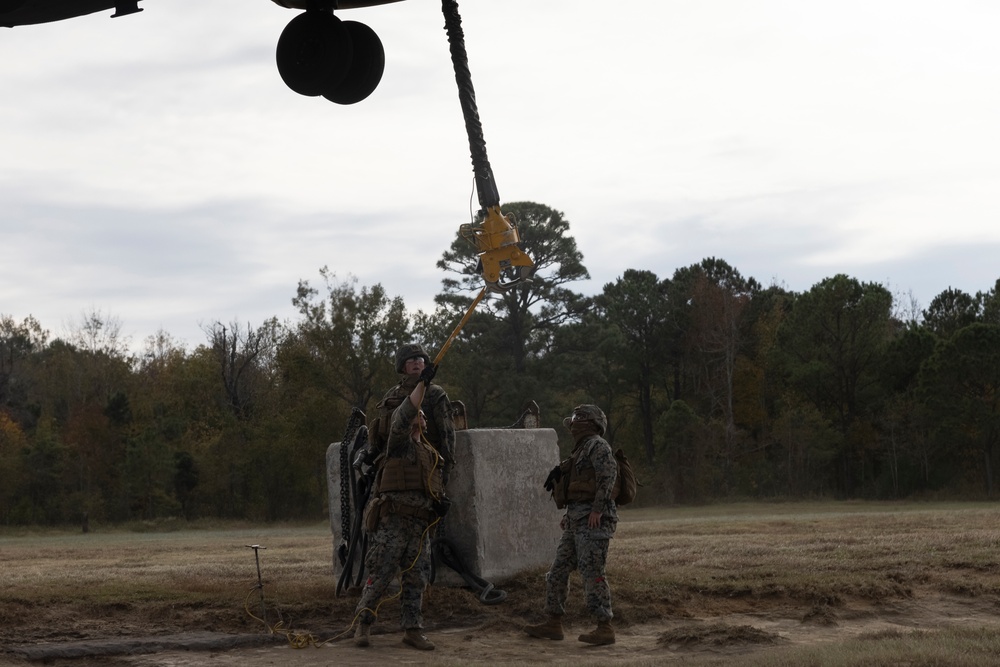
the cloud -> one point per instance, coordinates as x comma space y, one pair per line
155, 166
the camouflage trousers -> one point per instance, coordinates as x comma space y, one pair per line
399, 545
584, 549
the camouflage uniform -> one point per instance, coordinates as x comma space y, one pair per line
400, 541
582, 547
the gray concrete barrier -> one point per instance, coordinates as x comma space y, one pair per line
502, 521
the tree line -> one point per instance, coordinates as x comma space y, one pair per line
715, 385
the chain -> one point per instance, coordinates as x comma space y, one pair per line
353, 422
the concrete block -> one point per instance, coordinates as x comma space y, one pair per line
502, 521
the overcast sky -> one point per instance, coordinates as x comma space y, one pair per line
155, 168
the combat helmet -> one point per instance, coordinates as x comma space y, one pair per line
591, 413
408, 352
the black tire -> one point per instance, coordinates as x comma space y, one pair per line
10, 5
314, 50
367, 66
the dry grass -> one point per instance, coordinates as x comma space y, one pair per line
814, 561
812, 552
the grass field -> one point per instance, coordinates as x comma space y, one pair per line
750, 584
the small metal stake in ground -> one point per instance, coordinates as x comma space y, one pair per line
260, 583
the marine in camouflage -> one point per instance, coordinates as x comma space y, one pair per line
401, 542
436, 406
583, 547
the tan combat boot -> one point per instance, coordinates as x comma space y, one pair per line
361, 635
413, 637
604, 634
550, 629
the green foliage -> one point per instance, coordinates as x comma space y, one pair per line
511, 332
714, 386
960, 387
950, 311
637, 305
44, 462
989, 303
681, 439
347, 336
806, 446
833, 341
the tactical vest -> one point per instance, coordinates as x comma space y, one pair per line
579, 486
424, 474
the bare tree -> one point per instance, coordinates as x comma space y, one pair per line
245, 357
100, 333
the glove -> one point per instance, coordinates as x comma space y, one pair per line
342, 552
442, 505
553, 479
363, 458
428, 374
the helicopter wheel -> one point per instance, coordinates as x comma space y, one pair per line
314, 53
367, 66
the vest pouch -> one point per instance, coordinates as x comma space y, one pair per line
580, 490
373, 514
560, 493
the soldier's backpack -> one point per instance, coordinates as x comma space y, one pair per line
626, 482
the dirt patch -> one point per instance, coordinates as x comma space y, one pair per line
715, 635
497, 640
721, 586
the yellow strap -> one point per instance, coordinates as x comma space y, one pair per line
454, 334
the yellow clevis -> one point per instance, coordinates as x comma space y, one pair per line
501, 260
